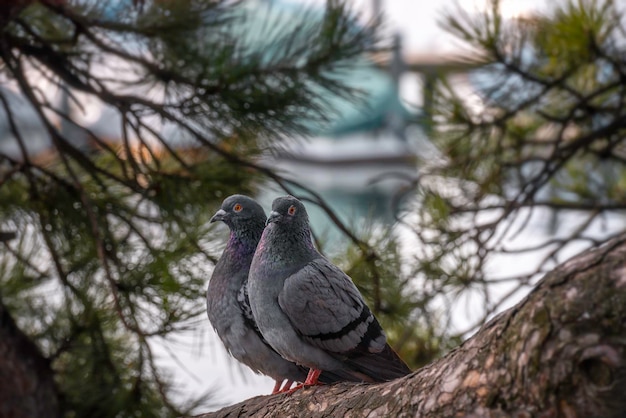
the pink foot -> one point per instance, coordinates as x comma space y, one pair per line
276, 387
286, 386
311, 380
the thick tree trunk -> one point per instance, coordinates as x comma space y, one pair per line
561, 352
27, 387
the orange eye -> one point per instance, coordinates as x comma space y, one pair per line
237, 207
291, 210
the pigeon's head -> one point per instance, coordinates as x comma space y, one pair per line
288, 210
239, 211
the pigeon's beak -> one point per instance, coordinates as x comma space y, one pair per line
219, 216
274, 216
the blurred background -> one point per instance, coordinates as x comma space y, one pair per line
449, 154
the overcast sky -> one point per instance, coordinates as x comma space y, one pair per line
418, 20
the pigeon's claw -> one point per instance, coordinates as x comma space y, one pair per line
287, 386
276, 387
311, 380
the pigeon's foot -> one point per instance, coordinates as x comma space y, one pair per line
286, 387
311, 380
276, 387
312, 376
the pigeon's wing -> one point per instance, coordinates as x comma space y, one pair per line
244, 304
327, 310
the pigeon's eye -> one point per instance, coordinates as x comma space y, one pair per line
237, 207
291, 210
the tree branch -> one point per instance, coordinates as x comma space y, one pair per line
559, 352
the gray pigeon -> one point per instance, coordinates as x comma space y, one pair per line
227, 301
309, 310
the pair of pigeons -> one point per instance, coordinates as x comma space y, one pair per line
280, 307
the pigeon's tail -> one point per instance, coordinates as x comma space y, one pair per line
378, 367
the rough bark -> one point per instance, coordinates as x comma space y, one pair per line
27, 387
561, 352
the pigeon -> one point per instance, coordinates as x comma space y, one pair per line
227, 300
309, 310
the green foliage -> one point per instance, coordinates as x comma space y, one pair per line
545, 132
114, 248
553, 93
113, 245
142, 273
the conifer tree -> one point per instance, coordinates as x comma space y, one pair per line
112, 246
